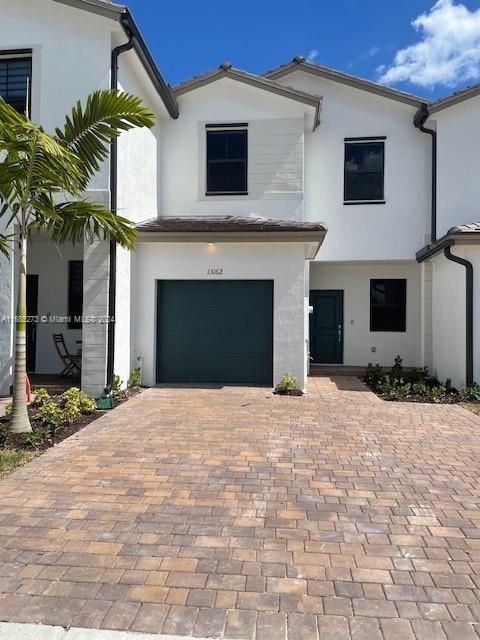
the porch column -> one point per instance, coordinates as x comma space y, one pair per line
95, 306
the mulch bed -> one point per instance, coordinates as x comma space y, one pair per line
15, 441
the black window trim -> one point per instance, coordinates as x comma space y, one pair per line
226, 126
20, 54
72, 324
372, 330
361, 140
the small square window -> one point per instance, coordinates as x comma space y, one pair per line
388, 305
364, 171
227, 161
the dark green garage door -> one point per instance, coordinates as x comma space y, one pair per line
215, 331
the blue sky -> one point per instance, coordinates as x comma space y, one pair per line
361, 37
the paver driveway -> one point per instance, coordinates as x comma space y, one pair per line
232, 513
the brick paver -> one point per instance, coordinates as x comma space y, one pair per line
234, 513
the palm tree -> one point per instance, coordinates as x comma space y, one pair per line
42, 178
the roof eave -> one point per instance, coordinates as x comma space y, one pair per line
315, 237
140, 46
343, 78
452, 100
251, 80
107, 10
448, 240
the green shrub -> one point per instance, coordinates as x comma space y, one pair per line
53, 417
116, 386
397, 369
36, 437
76, 403
4, 433
374, 374
288, 384
470, 393
40, 396
135, 378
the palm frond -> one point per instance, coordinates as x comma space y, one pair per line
90, 129
82, 219
4, 245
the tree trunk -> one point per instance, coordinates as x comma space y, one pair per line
20, 422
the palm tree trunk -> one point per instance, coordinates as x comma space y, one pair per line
20, 422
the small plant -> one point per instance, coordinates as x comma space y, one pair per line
288, 385
36, 437
373, 374
397, 369
53, 417
8, 410
4, 433
40, 396
76, 403
135, 378
116, 389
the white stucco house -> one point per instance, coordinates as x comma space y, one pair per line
303, 216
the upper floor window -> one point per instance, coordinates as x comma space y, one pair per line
227, 148
388, 305
15, 78
364, 170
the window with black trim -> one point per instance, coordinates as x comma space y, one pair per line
15, 80
364, 170
388, 305
75, 292
227, 150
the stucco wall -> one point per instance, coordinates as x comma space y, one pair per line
282, 263
391, 231
275, 152
354, 280
50, 263
458, 140
449, 315
6, 326
449, 320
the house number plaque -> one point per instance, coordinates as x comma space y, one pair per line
214, 271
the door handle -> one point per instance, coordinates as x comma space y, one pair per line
339, 333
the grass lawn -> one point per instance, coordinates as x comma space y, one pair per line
10, 459
474, 407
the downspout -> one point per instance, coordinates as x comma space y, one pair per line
112, 282
468, 312
419, 121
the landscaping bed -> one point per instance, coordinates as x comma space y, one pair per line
53, 419
417, 385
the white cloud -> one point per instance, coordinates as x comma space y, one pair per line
373, 51
313, 54
447, 53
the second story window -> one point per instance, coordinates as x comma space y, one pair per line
364, 170
227, 159
15, 78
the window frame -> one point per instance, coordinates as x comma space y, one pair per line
21, 54
404, 306
225, 127
70, 302
363, 140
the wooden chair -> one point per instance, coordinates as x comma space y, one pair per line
72, 364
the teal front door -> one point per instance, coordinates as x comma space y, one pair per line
326, 327
215, 331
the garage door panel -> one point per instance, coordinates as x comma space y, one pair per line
215, 331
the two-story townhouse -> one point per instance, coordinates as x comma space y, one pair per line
235, 278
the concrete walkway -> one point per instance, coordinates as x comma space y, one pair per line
233, 513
